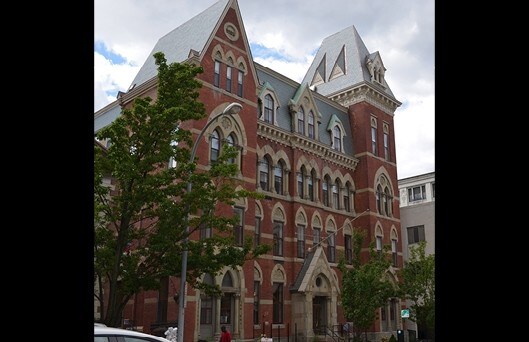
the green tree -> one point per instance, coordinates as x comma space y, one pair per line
365, 286
418, 285
142, 221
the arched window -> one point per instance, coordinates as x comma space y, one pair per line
347, 197
278, 178
335, 195
206, 302
264, 168
325, 193
268, 109
311, 181
331, 247
301, 182
301, 121
387, 200
230, 140
301, 241
216, 75
337, 138
378, 194
215, 146
311, 125
278, 238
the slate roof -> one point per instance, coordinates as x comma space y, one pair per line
287, 90
355, 53
193, 34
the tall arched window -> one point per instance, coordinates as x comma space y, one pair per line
301, 121
268, 109
325, 193
387, 200
337, 138
335, 195
378, 194
215, 146
347, 198
331, 247
263, 174
311, 125
311, 181
301, 182
230, 140
278, 178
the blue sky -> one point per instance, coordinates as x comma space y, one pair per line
286, 40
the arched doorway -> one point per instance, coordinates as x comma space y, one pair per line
207, 311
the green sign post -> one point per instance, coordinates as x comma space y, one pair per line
405, 313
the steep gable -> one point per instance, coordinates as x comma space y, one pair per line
177, 44
346, 56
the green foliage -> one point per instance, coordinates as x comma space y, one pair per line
365, 286
418, 285
141, 221
392, 338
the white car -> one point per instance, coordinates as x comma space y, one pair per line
107, 334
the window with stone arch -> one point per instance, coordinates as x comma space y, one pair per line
279, 175
300, 180
384, 196
258, 220
326, 188
379, 236
394, 240
337, 132
301, 121
229, 71
268, 109
241, 72
231, 140
278, 284
316, 230
348, 243
214, 146
347, 197
257, 282
311, 185
331, 241
336, 194
265, 165
310, 126
301, 226
278, 225
337, 138
206, 302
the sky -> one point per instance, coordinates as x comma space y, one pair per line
285, 36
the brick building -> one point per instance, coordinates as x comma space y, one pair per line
321, 151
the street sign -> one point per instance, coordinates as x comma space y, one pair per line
405, 313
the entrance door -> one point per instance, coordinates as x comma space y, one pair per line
319, 314
226, 310
207, 310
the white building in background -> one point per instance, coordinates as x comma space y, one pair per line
417, 216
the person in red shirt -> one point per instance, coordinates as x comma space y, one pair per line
225, 335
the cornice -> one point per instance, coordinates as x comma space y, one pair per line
366, 93
309, 146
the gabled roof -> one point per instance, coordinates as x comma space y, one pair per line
315, 263
177, 44
344, 48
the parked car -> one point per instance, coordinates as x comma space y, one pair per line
107, 334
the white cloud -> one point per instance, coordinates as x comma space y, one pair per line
402, 31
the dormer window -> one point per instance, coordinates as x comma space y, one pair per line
268, 109
311, 125
301, 121
337, 138
337, 133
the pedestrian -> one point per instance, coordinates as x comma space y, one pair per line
225, 335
